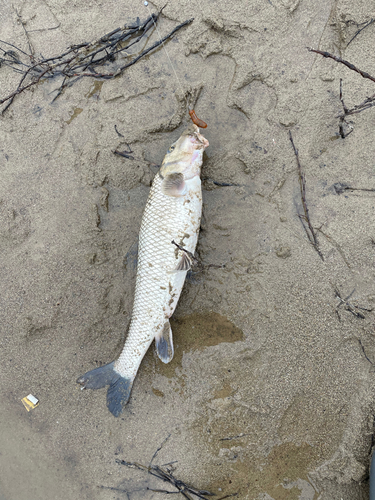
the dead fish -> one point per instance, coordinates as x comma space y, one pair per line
172, 213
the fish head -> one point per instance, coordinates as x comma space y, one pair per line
185, 156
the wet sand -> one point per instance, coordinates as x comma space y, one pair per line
271, 392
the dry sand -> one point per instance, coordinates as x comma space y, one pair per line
262, 355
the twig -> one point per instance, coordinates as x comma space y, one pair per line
167, 476
342, 61
350, 307
164, 491
305, 219
83, 60
193, 261
340, 188
160, 447
78, 55
217, 183
119, 133
233, 437
20, 89
364, 352
124, 154
17, 48
342, 117
360, 189
369, 102
334, 244
112, 488
145, 52
359, 31
27, 35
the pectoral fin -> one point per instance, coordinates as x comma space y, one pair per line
164, 343
174, 185
185, 263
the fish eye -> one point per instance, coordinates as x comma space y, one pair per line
171, 149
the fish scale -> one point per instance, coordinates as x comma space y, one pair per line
172, 214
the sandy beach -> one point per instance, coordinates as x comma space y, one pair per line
271, 393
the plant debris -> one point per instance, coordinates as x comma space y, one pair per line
341, 187
355, 310
305, 218
166, 474
366, 24
369, 102
83, 60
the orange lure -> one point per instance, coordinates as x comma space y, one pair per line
197, 121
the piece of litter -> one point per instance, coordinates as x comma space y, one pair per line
30, 402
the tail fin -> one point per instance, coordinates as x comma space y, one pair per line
119, 387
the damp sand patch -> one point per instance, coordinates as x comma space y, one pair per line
195, 332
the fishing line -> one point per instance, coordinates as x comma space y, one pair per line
160, 39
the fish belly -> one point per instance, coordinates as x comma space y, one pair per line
159, 284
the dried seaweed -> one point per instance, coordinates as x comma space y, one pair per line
104, 58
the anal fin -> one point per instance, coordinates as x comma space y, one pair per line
164, 343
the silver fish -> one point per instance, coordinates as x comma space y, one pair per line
172, 214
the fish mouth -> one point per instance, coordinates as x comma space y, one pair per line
196, 137
202, 139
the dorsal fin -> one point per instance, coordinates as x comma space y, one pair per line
174, 185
